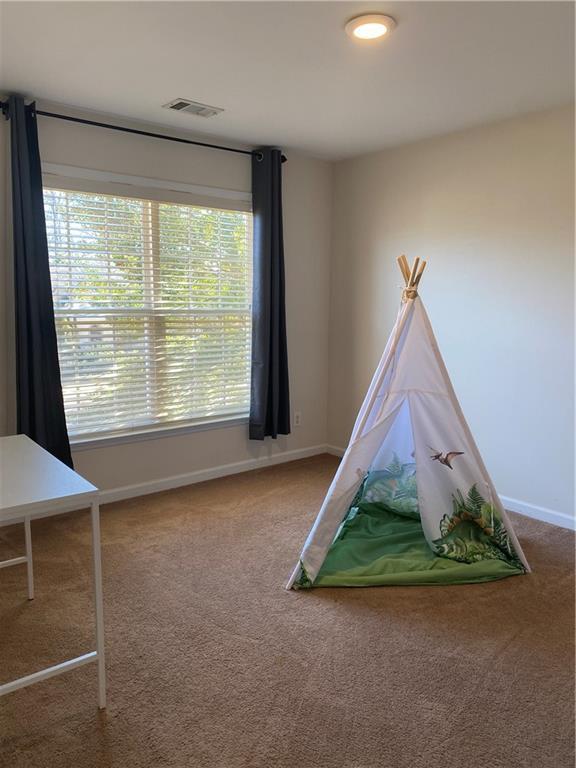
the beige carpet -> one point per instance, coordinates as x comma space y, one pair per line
211, 663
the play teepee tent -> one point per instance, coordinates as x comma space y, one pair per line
411, 502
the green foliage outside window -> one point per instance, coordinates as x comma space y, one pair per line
152, 304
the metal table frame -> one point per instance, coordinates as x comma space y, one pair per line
25, 513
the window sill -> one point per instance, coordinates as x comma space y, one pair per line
154, 433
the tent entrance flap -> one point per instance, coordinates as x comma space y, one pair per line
427, 511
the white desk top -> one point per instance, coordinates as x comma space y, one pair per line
32, 480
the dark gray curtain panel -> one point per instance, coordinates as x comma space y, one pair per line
270, 400
40, 405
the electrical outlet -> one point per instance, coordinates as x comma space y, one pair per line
297, 418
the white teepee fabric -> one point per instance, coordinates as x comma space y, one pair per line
410, 414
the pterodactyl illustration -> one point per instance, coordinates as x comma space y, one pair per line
444, 458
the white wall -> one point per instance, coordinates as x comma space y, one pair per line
492, 210
307, 209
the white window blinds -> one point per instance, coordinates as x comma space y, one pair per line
153, 310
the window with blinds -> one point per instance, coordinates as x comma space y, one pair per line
153, 311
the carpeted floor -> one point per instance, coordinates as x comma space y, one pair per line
211, 663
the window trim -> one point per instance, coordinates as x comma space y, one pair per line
87, 443
77, 179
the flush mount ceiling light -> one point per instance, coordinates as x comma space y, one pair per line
371, 26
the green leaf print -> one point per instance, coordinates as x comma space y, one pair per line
394, 486
474, 531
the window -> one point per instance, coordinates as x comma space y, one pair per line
153, 310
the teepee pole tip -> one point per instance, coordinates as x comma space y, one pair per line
403, 264
419, 273
413, 273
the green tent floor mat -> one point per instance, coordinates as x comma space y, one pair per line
376, 546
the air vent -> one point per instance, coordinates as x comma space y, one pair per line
193, 107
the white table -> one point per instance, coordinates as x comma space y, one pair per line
34, 484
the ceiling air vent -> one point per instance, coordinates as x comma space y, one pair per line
193, 107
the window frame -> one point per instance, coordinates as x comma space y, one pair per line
75, 179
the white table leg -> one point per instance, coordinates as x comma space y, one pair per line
29, 565
99, 608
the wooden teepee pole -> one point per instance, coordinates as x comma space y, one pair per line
413, 273
403, 264
419, 273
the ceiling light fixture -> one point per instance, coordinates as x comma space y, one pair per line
371, 26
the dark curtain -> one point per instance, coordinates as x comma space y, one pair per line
270, 400
40, 405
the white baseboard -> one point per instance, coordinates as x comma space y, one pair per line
199, 476
539, 513
176, 481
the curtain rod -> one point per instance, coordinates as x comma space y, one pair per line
121, 128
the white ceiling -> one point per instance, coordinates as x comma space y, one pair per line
286, 73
